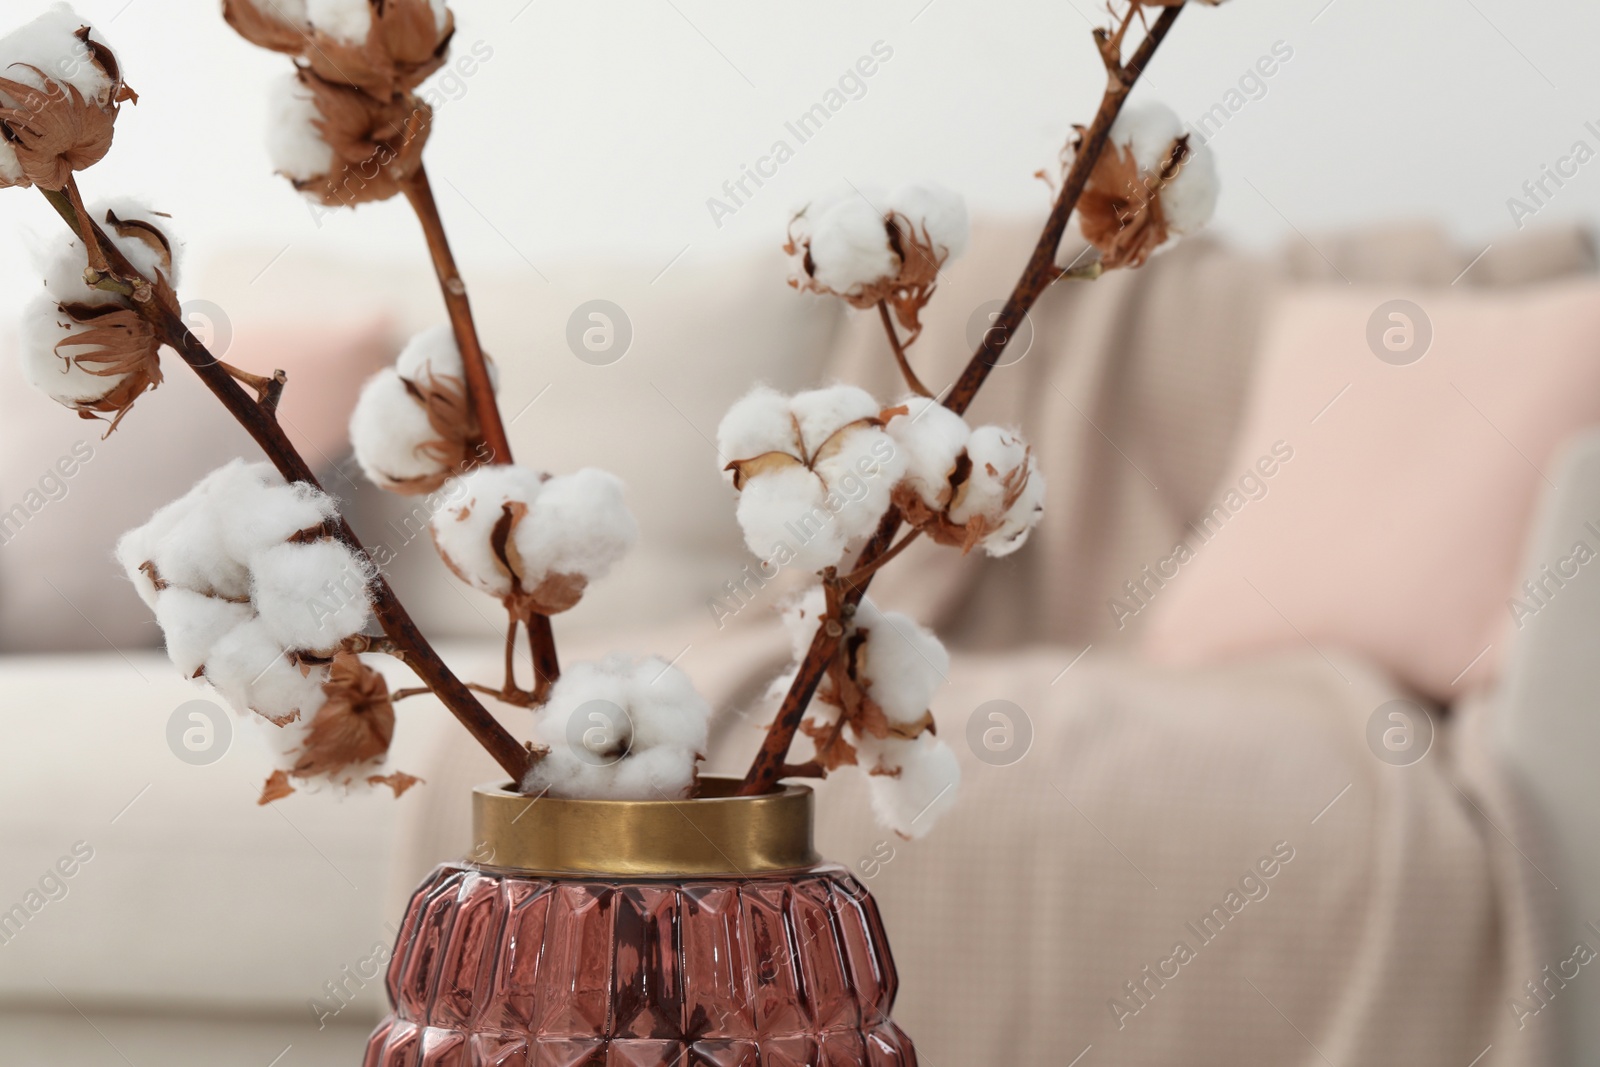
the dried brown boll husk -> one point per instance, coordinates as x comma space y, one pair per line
376, 145
405, 45
53, 129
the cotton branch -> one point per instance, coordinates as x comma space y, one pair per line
259, 419
910, 375
1041, 270
480, 392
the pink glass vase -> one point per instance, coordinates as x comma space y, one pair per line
508, 963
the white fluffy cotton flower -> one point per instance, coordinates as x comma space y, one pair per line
249, 591
295, 145
311, 596
62, 88
86, 348
413, 428
871, 248
532, 540
620, 729
912, 783
814, 472
1152, 182
872, 710
965, 487
895, 662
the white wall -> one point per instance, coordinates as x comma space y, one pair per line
607, 126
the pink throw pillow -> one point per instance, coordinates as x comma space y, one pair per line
1384, 480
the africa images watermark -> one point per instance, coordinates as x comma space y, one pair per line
1252, 485
52, 886
52, 487
1253, 887
850, 489
1539, 590
852, 85
1538, 191
1252, 86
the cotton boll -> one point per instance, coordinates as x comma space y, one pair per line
821, 413
253, 672
10, 166
388, 430
850, 247
579, 524
995, 453
464, 528
441, 14
349, 21
655, 774
925, 788
760, 422
295, 145
192, 555
801, 616
1018, 522
50, 44
1147, 129
667, 710
193, 624
50, 369
932, 438
937, 214
311, 596
1001, 461
904, 662
62, 264
146, 254
860, 469
620, 729
254, 518
784, 514
1190, 198
431, 354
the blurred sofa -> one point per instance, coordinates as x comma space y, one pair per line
1409, 906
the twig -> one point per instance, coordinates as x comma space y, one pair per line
864, 572
91, 242
263, 427
546, 664
480, 392
511, 653
900, 353
1037, 276
480, 388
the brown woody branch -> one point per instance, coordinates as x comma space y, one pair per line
1041, 270
259, 420
900, 352
480, 387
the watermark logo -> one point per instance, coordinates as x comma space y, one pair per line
199, 733
999, 733
599, 732
599, 332
983, 325
1400, 732
1399, 333
210, 325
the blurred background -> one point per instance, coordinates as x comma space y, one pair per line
1168, 726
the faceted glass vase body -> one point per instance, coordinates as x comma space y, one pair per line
520, 969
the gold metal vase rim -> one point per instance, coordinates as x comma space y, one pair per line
716, 835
